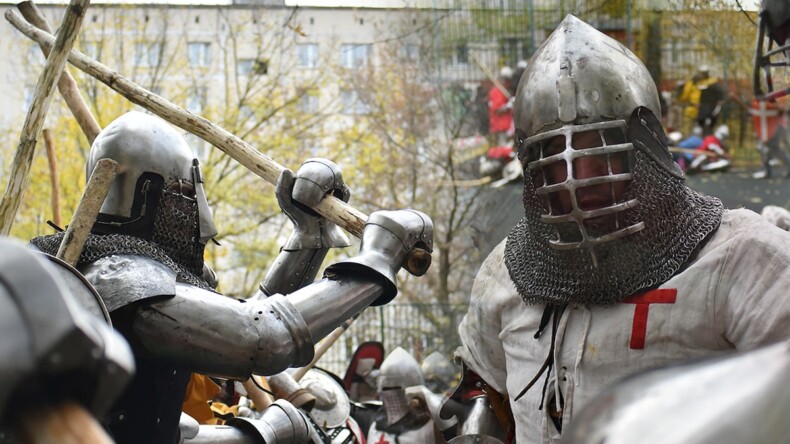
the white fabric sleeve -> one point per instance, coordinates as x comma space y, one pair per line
481, 347
755, 286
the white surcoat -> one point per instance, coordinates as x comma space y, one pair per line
733, 296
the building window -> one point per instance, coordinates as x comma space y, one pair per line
351, 103
244, 66
308, 102
409, 53
196, 100
307, 54
147, 53
199, 54
252, 66
513, 50
354, 55
461, 55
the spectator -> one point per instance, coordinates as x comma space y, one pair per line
500, 110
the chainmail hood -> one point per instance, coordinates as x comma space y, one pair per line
101, 246
677, 220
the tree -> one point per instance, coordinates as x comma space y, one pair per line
163, 50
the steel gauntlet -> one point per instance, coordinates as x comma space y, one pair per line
391, 239
297, 194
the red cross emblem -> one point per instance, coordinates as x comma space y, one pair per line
382, 440
766, 118
643, 301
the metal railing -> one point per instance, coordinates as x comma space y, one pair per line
420, 329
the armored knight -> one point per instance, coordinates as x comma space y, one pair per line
772, 53
400, 419
145, 258
440, 374
57, 345
773, 29
616, 266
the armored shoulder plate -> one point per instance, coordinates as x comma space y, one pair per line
80, 288
122, 280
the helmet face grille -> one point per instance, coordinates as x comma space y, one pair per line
580, 174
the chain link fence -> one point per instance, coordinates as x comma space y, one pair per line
420, 329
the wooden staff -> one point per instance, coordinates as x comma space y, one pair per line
67, 86
34, 121
88, 209
333, 209
490, 76
68, 423
323, 347
261, 399
54, 181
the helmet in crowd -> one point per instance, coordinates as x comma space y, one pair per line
399, 370
506, 72
722, 132
158, 193
439, 372
583, 98
675, 137
773, 47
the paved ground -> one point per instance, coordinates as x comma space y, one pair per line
737, 188
499, 209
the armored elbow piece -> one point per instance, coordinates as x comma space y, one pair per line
292, 270
238, 338
387, 240
281, 423
482, 412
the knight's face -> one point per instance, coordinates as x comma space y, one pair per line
590, 197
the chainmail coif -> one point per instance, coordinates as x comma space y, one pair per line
677, 219
101, 246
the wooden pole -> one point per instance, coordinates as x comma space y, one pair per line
68, 423
54, 180
67, 86
34, 121
333, 209
88, 209
323, 346
261, 399
490, 76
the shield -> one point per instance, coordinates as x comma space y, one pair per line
332, 407
366, 354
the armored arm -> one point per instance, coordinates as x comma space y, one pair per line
281, 423
216, 335
481, 411
305, 250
